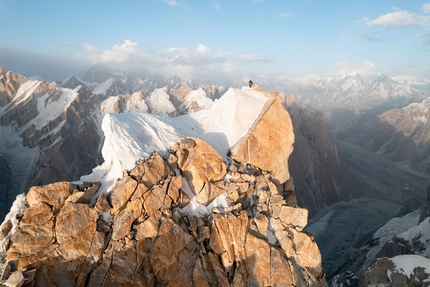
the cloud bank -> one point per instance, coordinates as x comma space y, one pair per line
400, 18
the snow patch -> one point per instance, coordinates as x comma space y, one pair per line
419, 233
406, 264
102, 88
136, 103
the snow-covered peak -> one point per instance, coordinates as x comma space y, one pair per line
160, 104
196, 100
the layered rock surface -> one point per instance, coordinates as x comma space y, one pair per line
137, 234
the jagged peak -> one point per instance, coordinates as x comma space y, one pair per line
3, 70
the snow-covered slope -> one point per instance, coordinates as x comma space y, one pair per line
160, 105
131, 136
195, 101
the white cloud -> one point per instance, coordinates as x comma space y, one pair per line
399, 18
130, 55
217, 6
347, 68
118, 53
171, 2
426, 8
200, 62
202, 55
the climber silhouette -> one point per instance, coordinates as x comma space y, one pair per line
250, 83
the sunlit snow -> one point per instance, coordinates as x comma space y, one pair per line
131, 136
25, 91
160, 104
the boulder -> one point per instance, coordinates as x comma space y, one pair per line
201, 164
53, 194
121, 193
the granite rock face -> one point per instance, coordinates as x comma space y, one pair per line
137, 234
277, 143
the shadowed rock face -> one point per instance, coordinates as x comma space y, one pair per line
256, 240
321, 175
401, 135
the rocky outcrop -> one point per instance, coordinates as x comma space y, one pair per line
402, 241
137, 234
9, 85
203, 167
177, 96
277, 143
383, 242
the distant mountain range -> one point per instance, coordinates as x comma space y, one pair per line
346, 100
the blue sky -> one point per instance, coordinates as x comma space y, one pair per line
239, 38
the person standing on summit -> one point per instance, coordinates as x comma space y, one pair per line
250, 83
